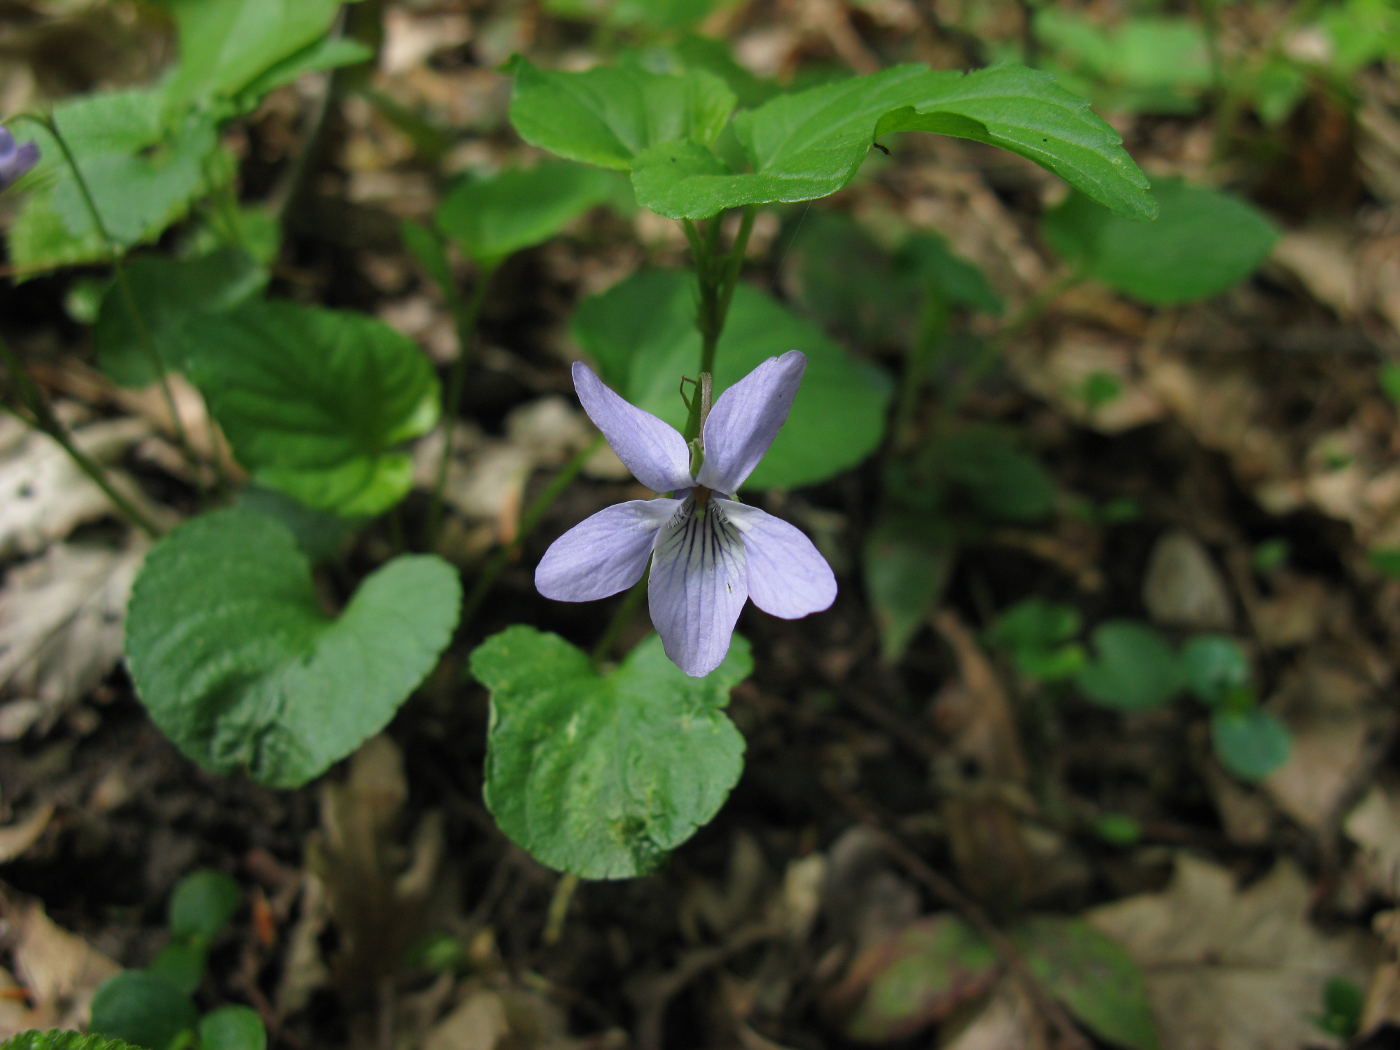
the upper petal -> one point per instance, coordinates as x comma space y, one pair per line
697, 587
788, 577
652, 449
604, 553
746, 419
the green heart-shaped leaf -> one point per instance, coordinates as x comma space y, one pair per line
809, 144
919, 975
641, 332
142, 172
232, 1028
1093, 975
908, 559
602, 774
1251, 743
1133, 667
1216, 669
201, 904
165, 293
238, 663
226, 44
144, 1009
1203, 242
492, 217
609, 115
316, 402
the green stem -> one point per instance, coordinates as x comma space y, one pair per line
465, 315
735, 262
114, 257
46, 421
717, 276
492, 570
620, 618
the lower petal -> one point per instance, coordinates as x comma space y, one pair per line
697, 587
603, 554
788, 577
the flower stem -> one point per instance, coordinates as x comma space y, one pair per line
114, 258
40, 415
716, 276
465, 314
492, 570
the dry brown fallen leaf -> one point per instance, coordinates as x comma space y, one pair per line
1374, 825
487, 476
43, 494
1382, 1003
501, 1018
1331, 710
376, 886
1184, 587
1061, 371
17, 837
1007, 1019
61, 620
1231, 967
58, 970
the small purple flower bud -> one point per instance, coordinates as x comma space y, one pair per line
15, 159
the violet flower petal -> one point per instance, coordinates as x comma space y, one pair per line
745, 420
15, 161
787, 576
652, 449
605, 553
697, 587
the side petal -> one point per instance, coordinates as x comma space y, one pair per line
697, 587
745, 420
604, 553
652, 449
788, 577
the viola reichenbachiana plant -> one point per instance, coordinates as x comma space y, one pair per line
597, 769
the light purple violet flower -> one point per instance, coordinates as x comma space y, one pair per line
15, 160
709, 553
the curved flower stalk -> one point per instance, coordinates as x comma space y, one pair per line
15, 159
709, 553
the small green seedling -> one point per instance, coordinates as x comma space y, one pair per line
1039, 635
154, 1008
1131, 666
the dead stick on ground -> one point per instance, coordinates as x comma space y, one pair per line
945, 890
